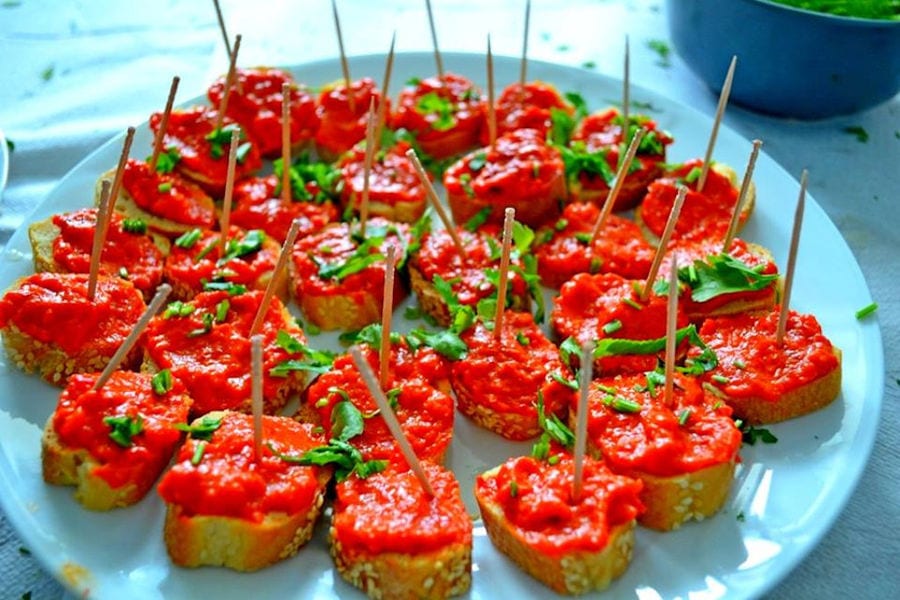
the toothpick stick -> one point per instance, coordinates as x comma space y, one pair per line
432, 196
586, 374
792, 261
387, 311
523, 65
99, 238
229, 83
671, 328
387, 413
437, 53
385, 85
256, 392
367, 168
277, 273
509, 217
664, 242
120, 171
345, 66
720, 110
225, 219
613, 193
491, 107
222, 27
745, 186
162, 292
286, 191
163, 123
626, 90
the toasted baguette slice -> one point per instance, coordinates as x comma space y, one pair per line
731, 175
129, 471
798, 402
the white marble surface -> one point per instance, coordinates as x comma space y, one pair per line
73, 74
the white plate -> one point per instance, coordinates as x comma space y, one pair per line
4, 163
784, 499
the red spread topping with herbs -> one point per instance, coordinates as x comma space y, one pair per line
54, 309
536, 499
635, 432
753, 365
127, 427
620, 248
703, 216
206, 344
249, 258
439, 256
203, 150
340, 128
390, 512
393, 181
445, 114
520, 170
127, 253
593, 307
223, 478
528, 107
255, 102
425, 413
521, 366
168, 196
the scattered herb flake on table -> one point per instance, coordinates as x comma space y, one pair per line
862, 136
662, 49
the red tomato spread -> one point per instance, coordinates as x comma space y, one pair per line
703, 216
528, 107
79, 423
445, 114
620, 248
752, 365
521, 365
54, 309
202, 160
168, 196
340, 128
255, 102
228, 481
520, 171
131, 256
537, 503
187, 269
394, 186
257, 207
390, 512
212, 355
651, 440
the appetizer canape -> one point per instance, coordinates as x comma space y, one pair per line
341, 125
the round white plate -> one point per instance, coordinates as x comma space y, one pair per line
785, 496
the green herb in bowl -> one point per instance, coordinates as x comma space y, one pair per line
861, 9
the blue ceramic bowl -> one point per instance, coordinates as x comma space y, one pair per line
791, 62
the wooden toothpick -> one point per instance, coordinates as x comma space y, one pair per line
277, 273
222, 27
99, 238
432, 196
385, 88
671, 330
256, 392
613, 193
663, 242
345, 66
229, 83
792, 261
387, 311
390, 419
626, 91
523, 66
578, 452
120, 172
509, 218
439, 64
162, 292
491, 107
742, 197
225, 219
163, 124
286, 192
368, 158
720, 111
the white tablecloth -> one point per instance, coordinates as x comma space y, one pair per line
75, 73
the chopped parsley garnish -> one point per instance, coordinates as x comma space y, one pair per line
612, 327
683, 417
620, 404
866, 310
662, 50
233, 289
167, 159
123, 428
250, 243
478, 219
164, 188
442, 109
178, 309
188, 239
203, 428
553, 430
513, 488
197, 456
465, 180
751, 435
479, 159
222, 311
206, 326
219, 138
138, 226
862, 136
314, 361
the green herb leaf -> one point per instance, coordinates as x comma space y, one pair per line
188, 239
167, 160
662, 50
478, 219
178, 308
862, 136
477, 162
346, 421
866, 310
138, 226
751, 435
203, 428
723, 274
197, 456
442, 108
315, 361
123, 428
343, 456
250, 243
161, 382
233, 289
446, 342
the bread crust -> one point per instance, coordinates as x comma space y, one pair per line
569, 573
532, 210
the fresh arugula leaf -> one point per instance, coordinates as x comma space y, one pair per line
723, 274
445, 342
346, 421
314, 361
342, 455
